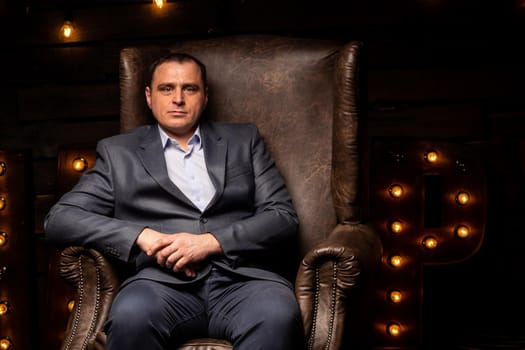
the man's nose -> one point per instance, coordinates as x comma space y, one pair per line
178, 96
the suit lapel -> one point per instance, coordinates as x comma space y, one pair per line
215, 150
151, 154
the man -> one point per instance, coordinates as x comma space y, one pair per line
202, 211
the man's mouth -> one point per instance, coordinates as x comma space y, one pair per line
177, 112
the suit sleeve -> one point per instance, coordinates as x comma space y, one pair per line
84, 216
274, 220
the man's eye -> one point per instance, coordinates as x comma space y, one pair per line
190, 88
166, 88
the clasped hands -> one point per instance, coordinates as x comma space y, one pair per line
181, 252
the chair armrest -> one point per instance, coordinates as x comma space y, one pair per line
327, 275
96, 283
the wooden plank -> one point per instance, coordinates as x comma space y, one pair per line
141, 20
68, 101
55, 64
505, 124
451, 84
46, 170
7, 104
45, 138
3, 8
443, 121
458, 53
299, 18
85, 133
521, 147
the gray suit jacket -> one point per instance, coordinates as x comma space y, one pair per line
128, 189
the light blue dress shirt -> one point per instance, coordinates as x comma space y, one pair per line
187, 169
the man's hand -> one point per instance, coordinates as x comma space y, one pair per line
180, 252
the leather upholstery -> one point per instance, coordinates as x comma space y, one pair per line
304, 96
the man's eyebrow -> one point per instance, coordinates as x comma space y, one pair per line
183, 84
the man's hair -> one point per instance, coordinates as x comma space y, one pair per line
178, 57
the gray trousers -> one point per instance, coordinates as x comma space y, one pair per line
251, 314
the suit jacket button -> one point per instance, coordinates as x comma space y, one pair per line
204, 220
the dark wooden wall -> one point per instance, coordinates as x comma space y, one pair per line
437, 69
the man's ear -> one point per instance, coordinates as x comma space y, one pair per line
147, 92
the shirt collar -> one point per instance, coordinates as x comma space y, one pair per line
195, 139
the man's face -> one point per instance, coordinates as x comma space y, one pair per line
177, 98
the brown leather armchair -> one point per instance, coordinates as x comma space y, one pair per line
304, 96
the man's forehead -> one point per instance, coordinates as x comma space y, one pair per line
189, 69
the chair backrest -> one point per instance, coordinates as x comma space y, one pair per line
302, 94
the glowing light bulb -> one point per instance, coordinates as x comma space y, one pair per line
393, 329
4, 308
395, 296
5, 343
80, 164
396, 226
71, 304
3, 203
3, 168
159, 3
462, 198
67, 29
430, 242
462, 231
431, 156
3, 239
395, 260
395, 191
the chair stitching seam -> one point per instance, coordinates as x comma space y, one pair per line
95, 314
74, 328
332, 306
316, 310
